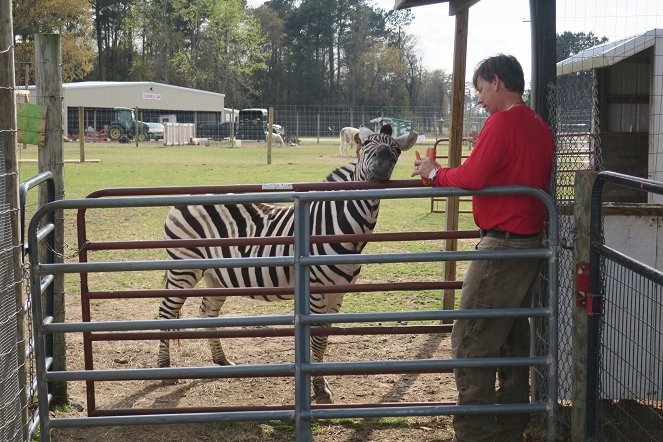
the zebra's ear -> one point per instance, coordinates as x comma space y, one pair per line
407, 141
364, 132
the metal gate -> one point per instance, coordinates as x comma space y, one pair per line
544, 399
625, 333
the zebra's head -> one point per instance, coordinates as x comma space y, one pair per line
379, 153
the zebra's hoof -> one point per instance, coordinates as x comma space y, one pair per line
321, 392
324, 398
224, 362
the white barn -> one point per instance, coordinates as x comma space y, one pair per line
155, 102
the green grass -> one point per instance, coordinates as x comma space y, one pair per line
150, 164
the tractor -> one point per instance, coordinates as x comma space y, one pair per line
125, 127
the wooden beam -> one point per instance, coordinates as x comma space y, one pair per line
455, 143
458, 6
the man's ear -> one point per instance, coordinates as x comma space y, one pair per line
499, 84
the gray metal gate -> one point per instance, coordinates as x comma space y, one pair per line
544, 400
625, 333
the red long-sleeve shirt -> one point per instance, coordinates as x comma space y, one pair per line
515, 147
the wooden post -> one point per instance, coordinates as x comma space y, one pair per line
136, 126
27, 93
81, 133
8, 145
318, 128
455, 145
270, 122
584, 181
232, 127
48, 79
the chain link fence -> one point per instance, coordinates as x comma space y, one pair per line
299, 121
574, 121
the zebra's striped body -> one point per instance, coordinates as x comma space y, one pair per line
379, 155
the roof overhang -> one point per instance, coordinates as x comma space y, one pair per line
609, 53
455, 6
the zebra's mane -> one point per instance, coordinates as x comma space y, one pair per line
343, 173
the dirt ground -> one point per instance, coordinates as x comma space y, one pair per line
437, 387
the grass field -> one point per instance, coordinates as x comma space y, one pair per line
112, 165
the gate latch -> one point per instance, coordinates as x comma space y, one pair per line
582, 284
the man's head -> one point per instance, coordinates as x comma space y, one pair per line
506, 67
500, 82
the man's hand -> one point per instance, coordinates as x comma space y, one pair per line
423, 168
473, 136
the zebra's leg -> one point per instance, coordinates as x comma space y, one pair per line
321, 392
326, 304
210, 308
170, 307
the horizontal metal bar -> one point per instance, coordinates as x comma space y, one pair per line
245, 332
436, 410
46, 281
316, 413
418, 365
145, 374
199, 292
631, 182
379, 258
169, 324
273, 240
638, 267
44, 231
312, 319
172, 418
35, 181
429, 315
288, 370
186, 264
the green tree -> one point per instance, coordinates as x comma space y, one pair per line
569, 43
73, 22
224, 48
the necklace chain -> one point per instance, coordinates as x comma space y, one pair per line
514, 104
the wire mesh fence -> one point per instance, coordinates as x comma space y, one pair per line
631, 369
10, 315
573, 112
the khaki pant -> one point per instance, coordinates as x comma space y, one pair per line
495, 284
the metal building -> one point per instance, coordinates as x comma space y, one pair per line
154, 102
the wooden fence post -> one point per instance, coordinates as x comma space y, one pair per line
455, 146
270, 123
584, 181
48, 80
81, 133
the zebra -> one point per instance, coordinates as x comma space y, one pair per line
376, 162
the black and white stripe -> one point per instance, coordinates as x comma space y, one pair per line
376, 162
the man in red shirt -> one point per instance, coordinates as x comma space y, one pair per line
515, 147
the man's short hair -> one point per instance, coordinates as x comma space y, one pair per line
506, 67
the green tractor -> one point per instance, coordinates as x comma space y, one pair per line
125, 127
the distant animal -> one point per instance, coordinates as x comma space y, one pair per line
276, 138
346, 137
376, 162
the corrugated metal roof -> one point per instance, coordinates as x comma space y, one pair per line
125, 84
608, 53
